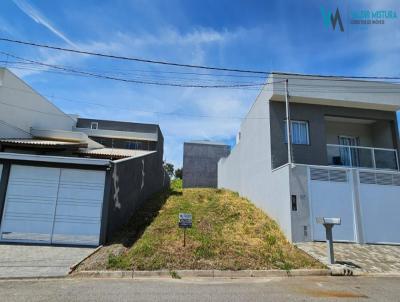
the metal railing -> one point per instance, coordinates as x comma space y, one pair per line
363, 157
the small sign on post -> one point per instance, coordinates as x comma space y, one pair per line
185, 222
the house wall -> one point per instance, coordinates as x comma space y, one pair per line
384, 134
362, 131
315, 152
132, 181
378, 134
200, 164
300, 219
247, 170
325, 91
139, 128
22, 108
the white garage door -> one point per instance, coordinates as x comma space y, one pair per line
79, 205
331, 196
53, 205
380, 206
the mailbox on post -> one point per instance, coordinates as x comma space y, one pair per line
328, 223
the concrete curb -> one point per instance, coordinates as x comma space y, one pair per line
74, 266
201, 274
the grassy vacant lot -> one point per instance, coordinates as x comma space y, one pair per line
228, 232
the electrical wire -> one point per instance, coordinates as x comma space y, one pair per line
130, 58
83, 52
132, 80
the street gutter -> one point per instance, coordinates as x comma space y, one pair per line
177, 274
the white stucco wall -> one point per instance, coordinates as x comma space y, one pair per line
301, 224
248, 168
22, 108
337, 92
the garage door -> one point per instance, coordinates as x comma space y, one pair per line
331, 196
53, 205
380, 206
79, 204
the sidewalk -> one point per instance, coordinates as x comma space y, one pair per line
366, 258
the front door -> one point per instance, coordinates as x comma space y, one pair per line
349, 154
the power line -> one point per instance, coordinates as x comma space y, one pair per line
13, 126
114, 107
83, 52
131, 80
315, 87
129, 71
33, 66
65, 69
131, 58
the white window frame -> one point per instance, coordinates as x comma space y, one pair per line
94, 125
307, 142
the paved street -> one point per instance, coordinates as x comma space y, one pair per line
272, 289
38, 261
368, 258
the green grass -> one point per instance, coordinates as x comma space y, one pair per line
228, 232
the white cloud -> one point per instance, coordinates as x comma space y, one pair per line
39, 18
193, 47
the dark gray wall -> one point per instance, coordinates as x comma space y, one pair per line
132, 182
118, 126
315, 153
200, 164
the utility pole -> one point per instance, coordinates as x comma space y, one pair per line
288, 128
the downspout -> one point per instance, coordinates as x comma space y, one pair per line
290, 157
288, 130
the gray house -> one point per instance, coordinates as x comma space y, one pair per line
63, 182
342, 160
200, 163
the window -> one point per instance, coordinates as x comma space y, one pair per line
299, 132
294, 203
94, 125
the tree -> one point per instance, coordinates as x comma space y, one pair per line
178, 173
169, 168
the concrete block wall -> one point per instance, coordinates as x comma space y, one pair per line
133, 181
200, 163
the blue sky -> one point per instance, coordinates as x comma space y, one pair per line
264, 35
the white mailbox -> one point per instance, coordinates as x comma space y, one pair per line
328, 223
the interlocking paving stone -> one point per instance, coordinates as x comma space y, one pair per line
38, 261
368, 258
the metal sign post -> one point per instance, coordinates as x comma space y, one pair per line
328, 223
185, 222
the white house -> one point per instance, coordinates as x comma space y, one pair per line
61, 180
342, 160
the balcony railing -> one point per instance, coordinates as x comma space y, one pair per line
362, 157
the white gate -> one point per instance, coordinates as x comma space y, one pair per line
331, 195
380, 206
53, 205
